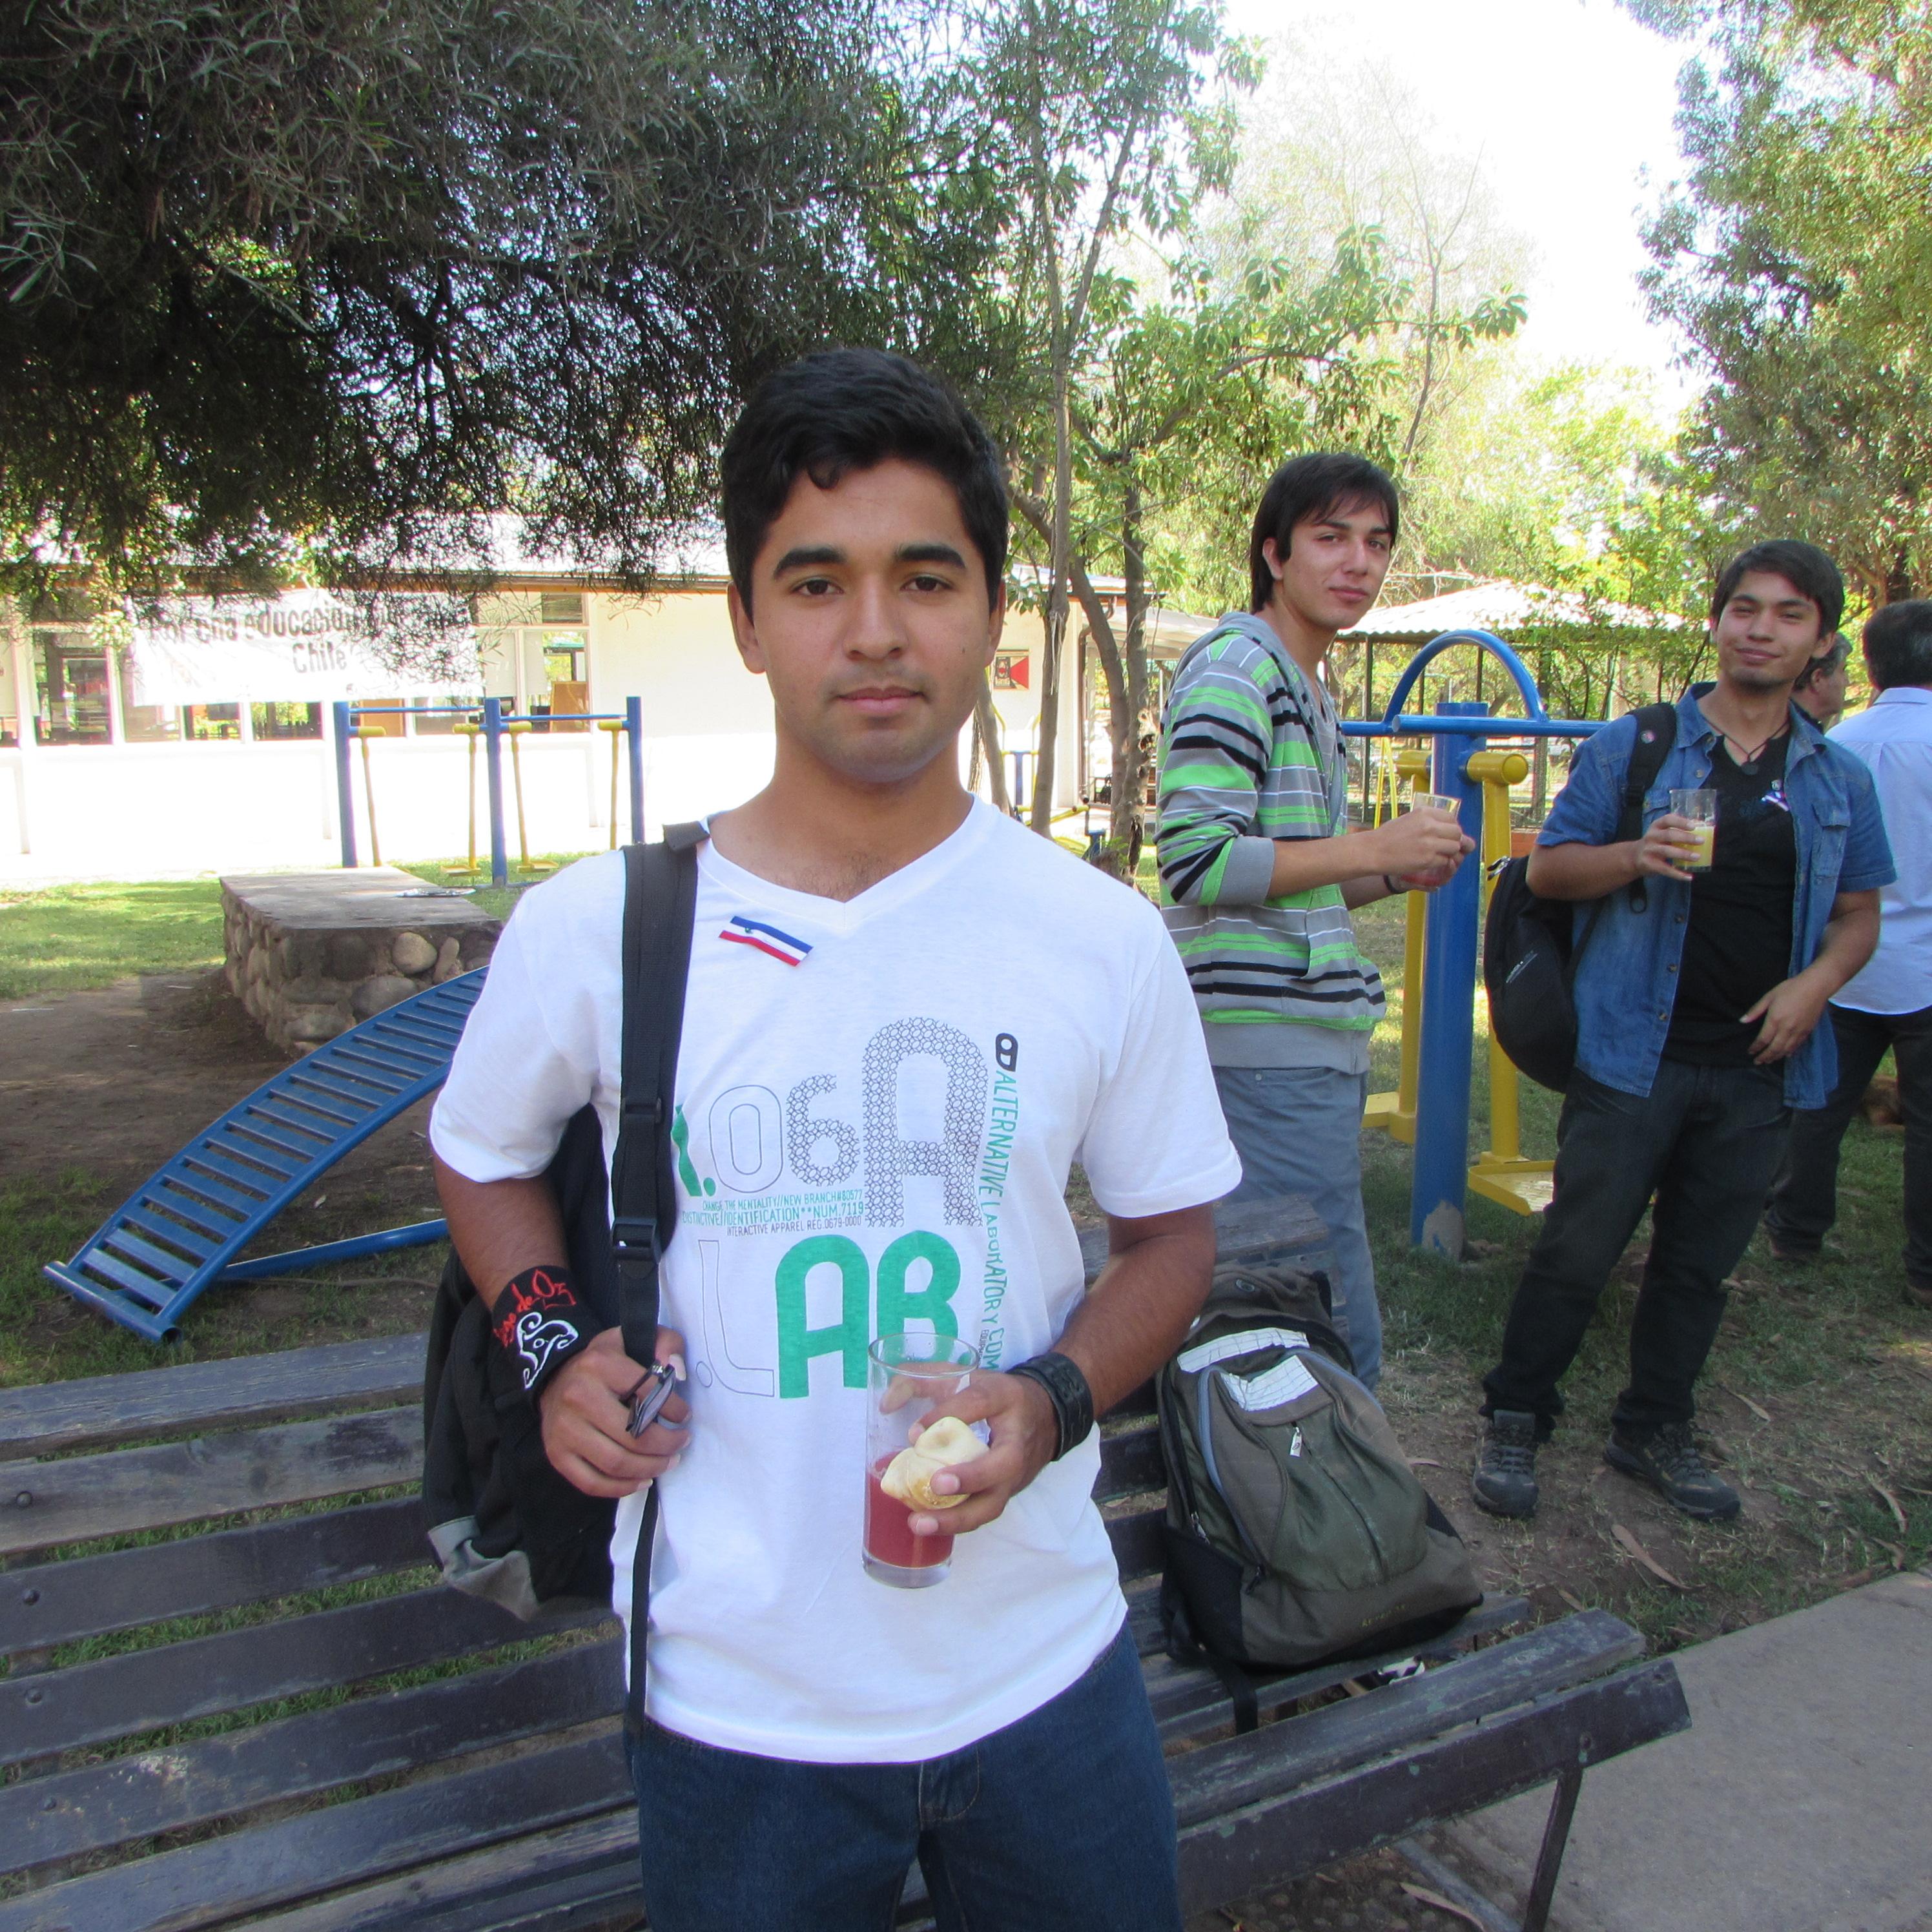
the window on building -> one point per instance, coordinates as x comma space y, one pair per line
70, 677
211, 723
285, 721
437, 715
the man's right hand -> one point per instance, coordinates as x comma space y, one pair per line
1420, 844
1665, 846
585, 1418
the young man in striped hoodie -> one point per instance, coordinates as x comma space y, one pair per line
1258, 868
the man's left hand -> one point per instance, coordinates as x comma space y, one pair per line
1790, 1012
1024, 1435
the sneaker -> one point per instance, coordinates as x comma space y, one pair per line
1504, 1482
1671, 1462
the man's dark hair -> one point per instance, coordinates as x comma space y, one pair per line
1804, 566
1898, 643
845, 410
1837, 650
1304, 490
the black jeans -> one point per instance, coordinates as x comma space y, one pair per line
1706, 1141
1804, 1200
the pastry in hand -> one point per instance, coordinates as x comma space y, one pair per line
908, 1477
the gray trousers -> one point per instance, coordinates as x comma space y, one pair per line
1298, 1130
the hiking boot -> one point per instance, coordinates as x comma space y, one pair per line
1671, 1462
1504, 1482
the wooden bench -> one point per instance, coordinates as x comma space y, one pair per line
237, 1692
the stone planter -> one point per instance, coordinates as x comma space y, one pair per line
310, 954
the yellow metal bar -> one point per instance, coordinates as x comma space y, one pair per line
365, 733
613, 726
472, 732
1500, 1174
1395, 1113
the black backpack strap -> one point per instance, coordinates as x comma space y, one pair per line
1656, 732
660, 897
660, 900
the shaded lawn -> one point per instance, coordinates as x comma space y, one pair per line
66, 938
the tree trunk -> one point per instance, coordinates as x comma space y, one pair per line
986, 741
1060, 549
1898, 577
1129, 768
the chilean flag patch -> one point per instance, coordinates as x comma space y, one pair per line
742, 932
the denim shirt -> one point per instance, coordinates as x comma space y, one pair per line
1626, 979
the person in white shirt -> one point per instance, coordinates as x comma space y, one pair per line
906, 1017
1889, 1003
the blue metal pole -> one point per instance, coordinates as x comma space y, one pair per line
633, 729
345, 784
492, 745
1442, 1169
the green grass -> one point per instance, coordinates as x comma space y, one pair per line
70, 939
67, 938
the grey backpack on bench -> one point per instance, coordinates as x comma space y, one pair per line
1296, 1530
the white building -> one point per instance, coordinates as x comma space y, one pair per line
205, 743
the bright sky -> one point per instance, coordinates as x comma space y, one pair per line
1571, 102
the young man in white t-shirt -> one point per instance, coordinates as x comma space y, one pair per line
906, 1017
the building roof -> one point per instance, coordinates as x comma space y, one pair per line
1504, 608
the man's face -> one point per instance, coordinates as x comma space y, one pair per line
1824, 696
1335, 565
870, 619
1767, 633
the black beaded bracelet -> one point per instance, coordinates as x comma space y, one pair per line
1067, 1388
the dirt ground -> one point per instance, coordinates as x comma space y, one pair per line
97, 1088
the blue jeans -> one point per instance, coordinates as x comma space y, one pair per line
1063, 1822
1298, 1130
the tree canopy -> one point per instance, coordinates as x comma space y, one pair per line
1794, 258
352, 279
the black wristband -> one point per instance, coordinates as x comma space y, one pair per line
1067, 1388
539, 1321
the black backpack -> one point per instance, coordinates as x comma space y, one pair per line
503, 1523
1529, 961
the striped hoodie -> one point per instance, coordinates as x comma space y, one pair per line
1251, 753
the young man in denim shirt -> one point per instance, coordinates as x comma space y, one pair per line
1697, 1010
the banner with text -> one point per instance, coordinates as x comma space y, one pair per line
303, 645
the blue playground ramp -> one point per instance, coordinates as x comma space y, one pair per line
180, 1231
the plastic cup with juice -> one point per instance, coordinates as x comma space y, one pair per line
907, 1378
1700, 808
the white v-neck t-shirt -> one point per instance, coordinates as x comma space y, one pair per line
877, 1102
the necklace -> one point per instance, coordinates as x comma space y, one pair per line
1746, 761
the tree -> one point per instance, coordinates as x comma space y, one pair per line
1792, 256
1105, 115
342, 281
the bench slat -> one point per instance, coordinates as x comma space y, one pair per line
103, 1410
50, 1604
585, 1874
125, 1489
1219, 1778
48, 1819
1188, 1698
203, 1677
221, 1879
1267, 1843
